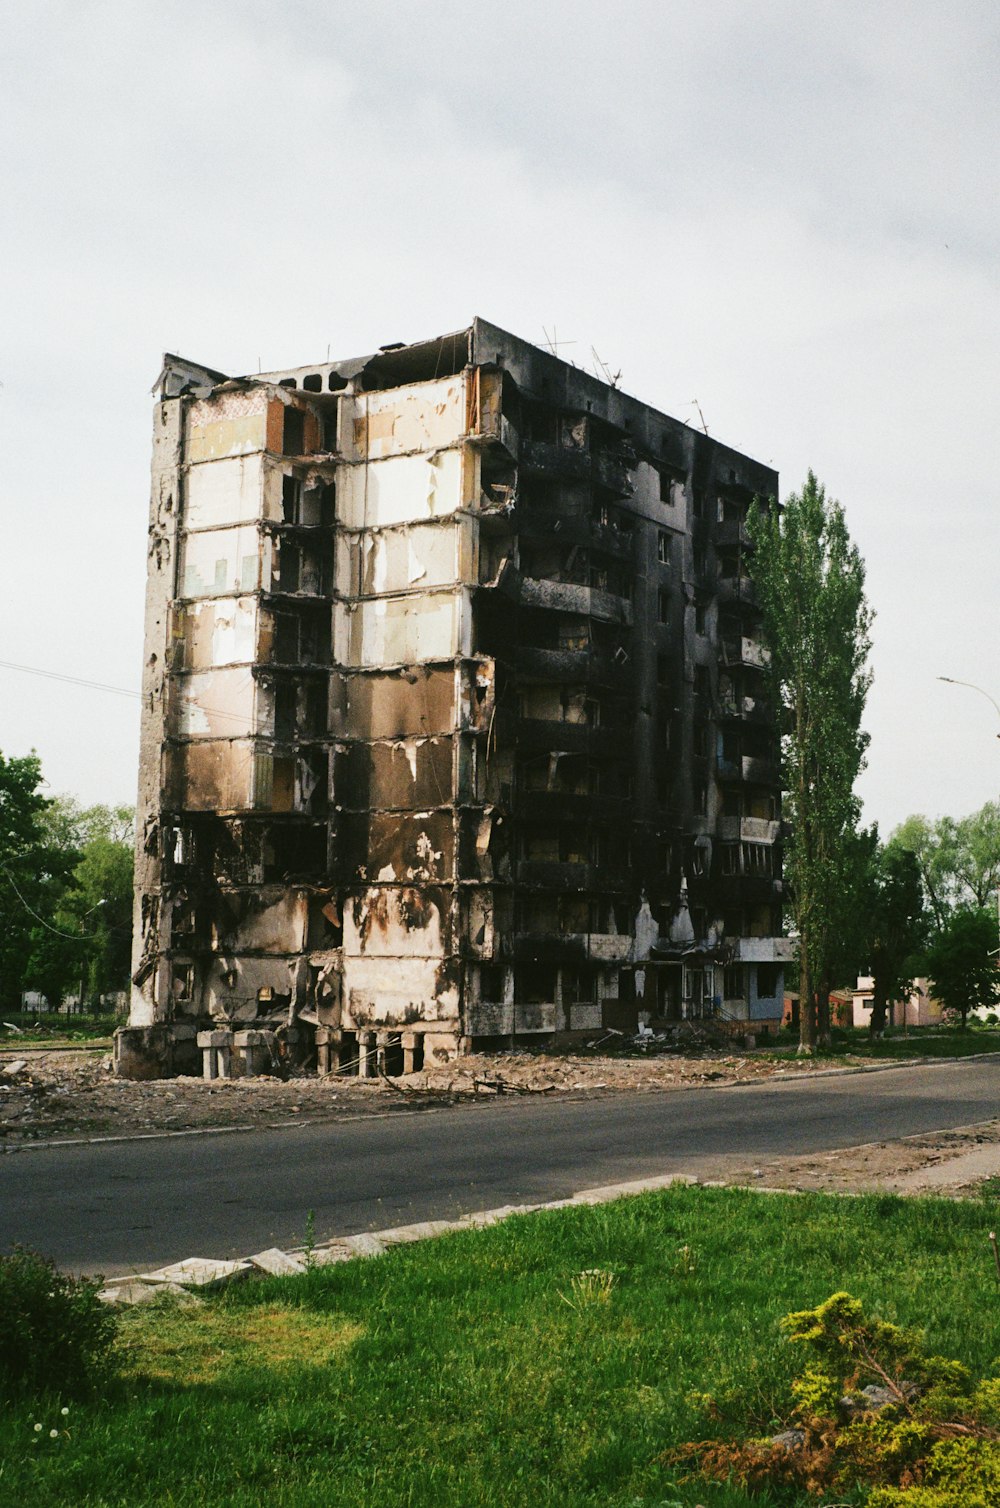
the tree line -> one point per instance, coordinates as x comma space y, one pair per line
916, 904
65, 892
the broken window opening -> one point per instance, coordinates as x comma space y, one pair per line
768, 978
392, 1055
348, 1055
492, 979
182, 983
535, 984
293, 437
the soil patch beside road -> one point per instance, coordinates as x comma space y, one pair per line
61, 1095
64, 1096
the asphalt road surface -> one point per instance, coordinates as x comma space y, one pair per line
117, 1207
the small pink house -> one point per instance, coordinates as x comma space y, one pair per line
918, 1009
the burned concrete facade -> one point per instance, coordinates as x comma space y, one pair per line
455, 730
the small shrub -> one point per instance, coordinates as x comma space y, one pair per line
55, 1334
872, 1410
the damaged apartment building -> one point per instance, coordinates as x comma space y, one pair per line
455, 725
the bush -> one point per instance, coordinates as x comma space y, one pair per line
55, 1334
873, 1412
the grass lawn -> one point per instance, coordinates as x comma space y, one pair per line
54, 1029
919, 1042
483, 1369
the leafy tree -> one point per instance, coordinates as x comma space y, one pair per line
33, 870
850, 907
810, 583
897, 928
88, 943
959, 860
962, 962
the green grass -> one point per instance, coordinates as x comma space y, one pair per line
54, 1029
549, 1360
919, 1042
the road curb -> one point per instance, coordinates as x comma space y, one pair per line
208, 1273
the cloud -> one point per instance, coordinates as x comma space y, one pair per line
780, 211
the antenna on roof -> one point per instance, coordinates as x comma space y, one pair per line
552, 343
612, 379
695, 404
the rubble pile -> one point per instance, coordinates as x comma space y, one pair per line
47, 1096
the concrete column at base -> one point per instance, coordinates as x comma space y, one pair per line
408, 1041
324, 1038
216, 1054
253, 1048
440, 1047
366, 1055
143, 1052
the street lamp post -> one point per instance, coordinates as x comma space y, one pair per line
972, 687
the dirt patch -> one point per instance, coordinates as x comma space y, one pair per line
951, 1164
63, 1095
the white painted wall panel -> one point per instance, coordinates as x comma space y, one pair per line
215, 703
400, 490
224, 492
422, 417
400, 630
221, 561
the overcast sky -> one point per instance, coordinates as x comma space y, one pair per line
787, 212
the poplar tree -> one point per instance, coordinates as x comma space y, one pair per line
810, 581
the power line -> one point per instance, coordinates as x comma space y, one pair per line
72, 936
73, 680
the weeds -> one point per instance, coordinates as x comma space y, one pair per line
309, 1241
592, 1286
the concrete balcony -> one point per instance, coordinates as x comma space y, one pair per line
487, 1018
542, 457
744, 651
538, 736
732, 533
568, 597
745, 709
763, 949
613, 473
748, 830
572, 947
594, 666
736, 589
568, 806
748, 769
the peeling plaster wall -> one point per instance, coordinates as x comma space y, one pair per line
404, 489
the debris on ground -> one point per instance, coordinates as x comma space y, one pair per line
46, 1095
64, 1096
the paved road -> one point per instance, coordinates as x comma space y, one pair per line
115, 1207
